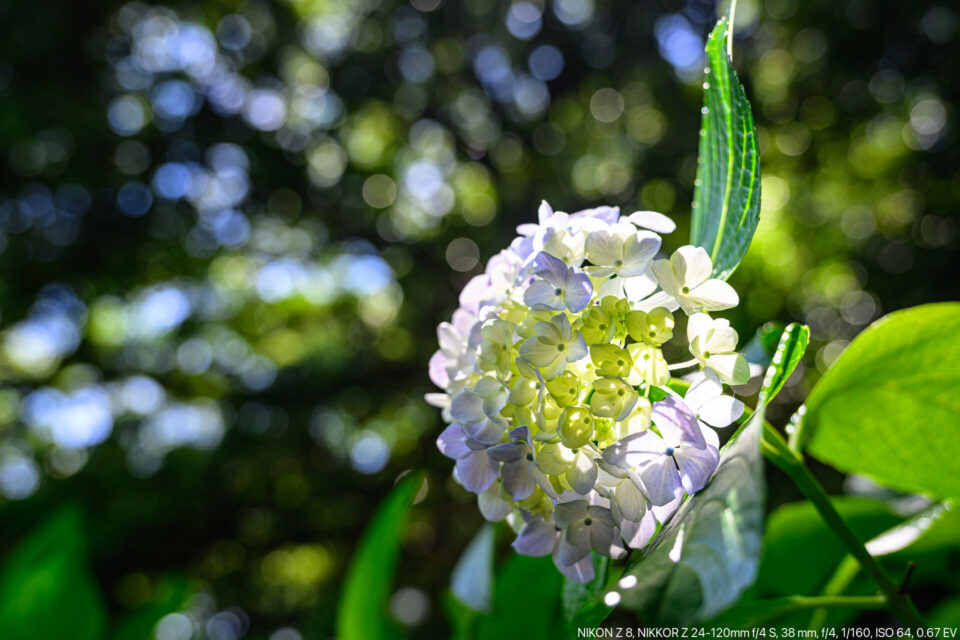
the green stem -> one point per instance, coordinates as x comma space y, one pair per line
846, 571
759, 611
791, 462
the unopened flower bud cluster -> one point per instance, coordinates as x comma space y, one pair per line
555, 383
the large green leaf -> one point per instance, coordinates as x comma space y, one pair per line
362, 614
889, 407
793, 343
472, 579
526, 601
46, 589
708, 554
726, 199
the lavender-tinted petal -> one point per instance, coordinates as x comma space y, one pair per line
451, 442
574, 544
577, 292
637, 534
467, 406
551, 269
522, 434
634, 449
542, 294
492, 507
517, 480
567, 513
660, 479
696, 466
485, 432
507, 452
602, 537
537, 538
579, 571
476, 472
677, 422
438, 369
582, 474
472, 295
577, 348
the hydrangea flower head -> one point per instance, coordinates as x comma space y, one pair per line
555, 383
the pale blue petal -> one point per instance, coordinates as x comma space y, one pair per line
553, 270
451, 442
574, 544
579, 571
517, 480
467, 406
476, 472
696, 466
660, 479
541, 294
577, 292
537, 538
677, 422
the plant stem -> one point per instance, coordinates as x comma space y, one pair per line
791, 462
760, 611
846, 571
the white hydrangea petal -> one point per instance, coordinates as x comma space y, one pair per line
639, 286
732, 367
721, 411
653, 221
691, 265
699, 325
604, 248
638, 250
705, 387
723, 339
714, 295
664, 273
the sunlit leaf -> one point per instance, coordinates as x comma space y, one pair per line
472, 579
362, 613
726, 199
708, 554
46, 589
793, 343
889, 407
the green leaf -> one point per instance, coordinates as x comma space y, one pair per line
795, 528
889, 408
792, 345
362, 613
708, 554
726, 198
526, 601
46, 589
169, 595
472, 579
761, 347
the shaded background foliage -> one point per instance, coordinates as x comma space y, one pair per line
220, 290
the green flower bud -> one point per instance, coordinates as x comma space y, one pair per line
596, 326
565, 389
654, 328
523, 391
612, 398
611, 360
576, 427
554, 458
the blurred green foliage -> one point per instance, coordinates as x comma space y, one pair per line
228, 230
